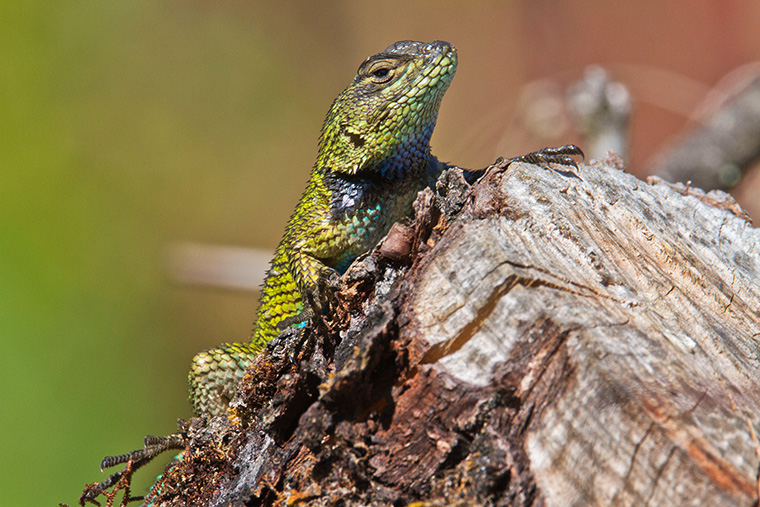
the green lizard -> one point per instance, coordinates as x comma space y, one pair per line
374, 157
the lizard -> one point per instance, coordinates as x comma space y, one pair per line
374, 157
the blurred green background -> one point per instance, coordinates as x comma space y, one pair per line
126, 127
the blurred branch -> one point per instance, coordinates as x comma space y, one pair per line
601, 109
218, 266
717, 153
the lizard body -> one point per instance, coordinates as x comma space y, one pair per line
374, 157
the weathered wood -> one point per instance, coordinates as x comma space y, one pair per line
652, 300
559, 339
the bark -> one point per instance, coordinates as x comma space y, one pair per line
542, 338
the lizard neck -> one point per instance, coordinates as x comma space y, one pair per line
390, 156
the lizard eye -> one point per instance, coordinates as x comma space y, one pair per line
381, 73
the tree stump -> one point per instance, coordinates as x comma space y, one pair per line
540, 338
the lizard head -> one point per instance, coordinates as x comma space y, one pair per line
382, 122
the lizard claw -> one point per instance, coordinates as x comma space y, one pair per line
562, 155
152, 447
297, 320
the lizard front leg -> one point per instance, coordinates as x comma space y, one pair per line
562, 155
296, 286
